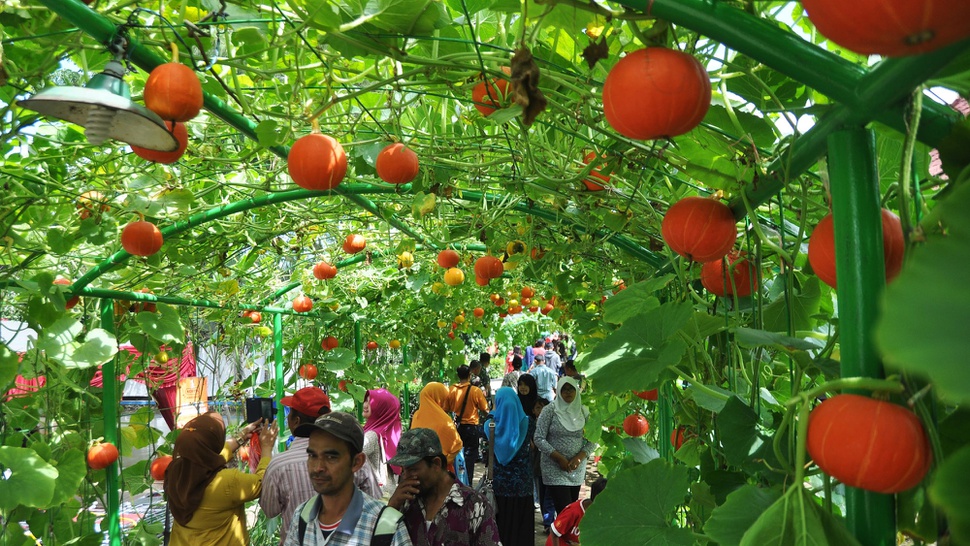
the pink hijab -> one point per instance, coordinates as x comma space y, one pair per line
385, 420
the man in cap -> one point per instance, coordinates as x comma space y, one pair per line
427, 492
286, 484
340, 513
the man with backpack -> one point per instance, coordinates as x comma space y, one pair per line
467, 400
340, 514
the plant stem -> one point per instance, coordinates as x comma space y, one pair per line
864, 383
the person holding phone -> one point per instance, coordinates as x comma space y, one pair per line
206, 497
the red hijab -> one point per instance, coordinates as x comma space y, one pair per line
197, 460
385, 420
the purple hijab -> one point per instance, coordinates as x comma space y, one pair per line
385, 420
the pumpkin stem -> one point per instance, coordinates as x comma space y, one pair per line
315, 124
175, 51
141, 217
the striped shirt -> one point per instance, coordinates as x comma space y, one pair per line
286, 484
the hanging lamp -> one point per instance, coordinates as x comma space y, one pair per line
105, 109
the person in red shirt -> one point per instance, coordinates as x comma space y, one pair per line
565, 530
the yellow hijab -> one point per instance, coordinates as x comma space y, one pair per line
432, 413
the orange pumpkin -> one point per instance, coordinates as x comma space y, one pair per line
454, 276
141, 238
329, 343
821, 247
92, 202
397, 164
159, 466
651, 395
256, 317
173, 91
677, 438
371, 345
354, 243
877, 27
489, 97
448, 258
317, 162
70, 303
180, 133
699, 229
323, 270
478, 312
714, 276
636, 425
655, 93
489, 267
595, 173
308, 372
527, 292
302, 304
101, 455
481, 281
547, 308
342, 385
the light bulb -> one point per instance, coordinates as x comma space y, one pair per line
99, 124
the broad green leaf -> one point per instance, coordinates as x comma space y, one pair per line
57, 340
636, 299
337, 359
925, 310
163, 325
797, 520
950, 490
637, 507
730, 520
321, 14
60, 241
711, 398
267, 130
98, 347
9, 364
760, 129
737, 425
71, 470
805, 305
14, 535
29, 480
754, 338
638, 448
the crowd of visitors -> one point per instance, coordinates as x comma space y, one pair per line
340, 482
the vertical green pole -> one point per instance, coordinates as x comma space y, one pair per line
358, 360
407, 384
109, 404
666, 418
861, 277
278, 380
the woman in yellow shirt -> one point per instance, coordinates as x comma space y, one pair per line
208, 499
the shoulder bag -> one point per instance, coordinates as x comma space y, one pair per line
485, 486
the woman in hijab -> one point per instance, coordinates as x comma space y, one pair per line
528, 393
207, 499
432, 413
513, 479
564, 449
382, 432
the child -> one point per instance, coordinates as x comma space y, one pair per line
565, 530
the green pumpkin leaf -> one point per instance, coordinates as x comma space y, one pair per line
637, 507
796, 519
29, 480
926, 309
805, 303
71, 470
636, 299
737, 425
57, 340
165, 325
754, 338
731, 520
98, 347
340, 358
9, 365
950, 490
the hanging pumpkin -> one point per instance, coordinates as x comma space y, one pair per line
454, 276
397, 164
893, 454
372, 345
317, 162
323, 271
821, 247
101, 455
180, 133
677, 438
92, 202
714, 276
595, 173
308, 372
489, 267
478, 312
141, 238
636, 425
302, 304
699, 229
547, 308
656, 93
481, 281
159, 466
527, 292
354, 243
489, 97
173, 91
71, 302
877, 27
256, 317
448, 258
329, 343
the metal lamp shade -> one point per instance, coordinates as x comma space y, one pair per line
104, 108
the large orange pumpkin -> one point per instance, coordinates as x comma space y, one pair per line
489, 267
141, 238
302, 304
448, 258
397, 164
354, 243
323, 270
870, 444
821, 247
317, 162
174, 92
101, 455
656, 92
890, 28
180, 133
699, 229
595, 173
488, 99
715, 280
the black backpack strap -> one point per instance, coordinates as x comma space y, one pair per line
301, 532
385, 526
303, 518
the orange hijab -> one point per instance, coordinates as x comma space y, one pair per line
432, 413
197, 459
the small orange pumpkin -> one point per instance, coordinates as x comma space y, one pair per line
317, 162
180, 133
308, 372
329, 343
159, 466
547, 308
636, 425
488, 99
595, 173
699, 229
372, 345
72, 301
173, 91
478, 312
92, 202
141, 238
714, 276
397, 164
302, 304
323, 271
821, 247
489, 267
101, 455
354, 243
448, 258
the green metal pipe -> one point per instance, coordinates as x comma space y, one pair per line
109, 403
278, 380
89, 291
358, 360
861, 276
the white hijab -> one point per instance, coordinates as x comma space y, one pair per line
572, 416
